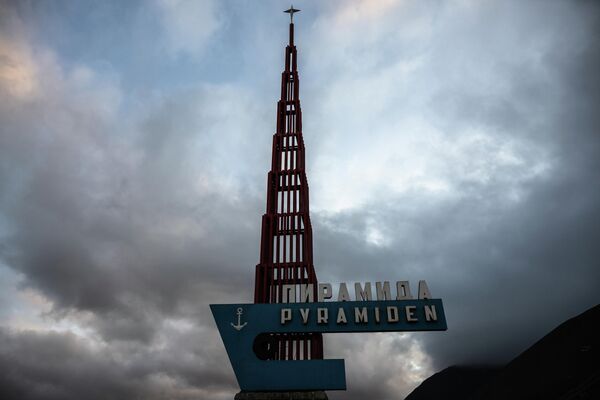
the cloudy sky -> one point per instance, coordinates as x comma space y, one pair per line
452, 141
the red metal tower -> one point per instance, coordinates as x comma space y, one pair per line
286, 253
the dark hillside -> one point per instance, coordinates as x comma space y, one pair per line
453, 383
564, 364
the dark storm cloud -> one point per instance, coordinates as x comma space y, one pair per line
104, 243
508, 273
508, 268
506, 278
98, 246
44, 366
62, 366
121, 228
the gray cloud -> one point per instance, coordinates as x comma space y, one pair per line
62, 366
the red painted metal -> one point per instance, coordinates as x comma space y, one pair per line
286, 252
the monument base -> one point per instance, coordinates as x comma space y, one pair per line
314, 395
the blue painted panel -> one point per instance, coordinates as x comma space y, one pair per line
254, 374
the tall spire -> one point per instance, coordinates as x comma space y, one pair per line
291, 11
286, 252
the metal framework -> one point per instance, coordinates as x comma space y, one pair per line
286, 252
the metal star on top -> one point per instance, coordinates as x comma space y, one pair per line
291, 11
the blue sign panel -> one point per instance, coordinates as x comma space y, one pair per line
241, 324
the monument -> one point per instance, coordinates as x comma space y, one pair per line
286, 255
276, 345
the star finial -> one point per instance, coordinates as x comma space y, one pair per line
291, 11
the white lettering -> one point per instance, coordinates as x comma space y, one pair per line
403, 288
322, 315
288, 294
360, 315
430, 313
343, 294
324, 291
304, 313
286, 315
383, 291
363, 294
377, 314
392, 314
423, 291
341, 316
410, 313
307, 293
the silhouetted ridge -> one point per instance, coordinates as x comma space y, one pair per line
457, 382
563, 365
564, 361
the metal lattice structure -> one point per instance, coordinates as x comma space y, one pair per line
286, 252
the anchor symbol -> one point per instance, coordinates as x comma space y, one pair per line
239, 325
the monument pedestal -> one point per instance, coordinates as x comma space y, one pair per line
314, 395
